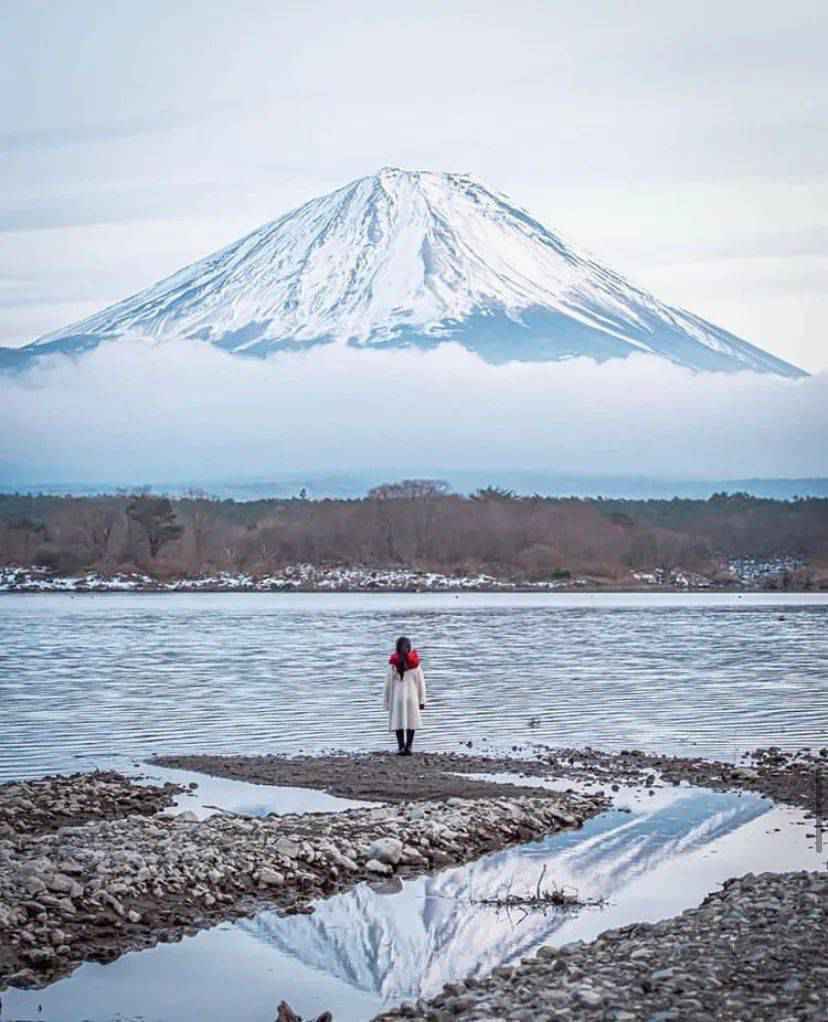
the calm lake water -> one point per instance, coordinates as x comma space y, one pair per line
85, 679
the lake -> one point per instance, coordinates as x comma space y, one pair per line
88, 679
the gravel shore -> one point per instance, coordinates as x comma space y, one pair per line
755, 950
90, 869
29, 808
110, 882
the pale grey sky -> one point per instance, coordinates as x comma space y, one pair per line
684, 144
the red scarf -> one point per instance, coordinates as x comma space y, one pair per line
412, 660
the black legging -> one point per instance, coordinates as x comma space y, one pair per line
405, 739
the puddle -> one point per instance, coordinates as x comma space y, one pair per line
222, 974
215, 794
626, 797
378, 945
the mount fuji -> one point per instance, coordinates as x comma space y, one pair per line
410, 259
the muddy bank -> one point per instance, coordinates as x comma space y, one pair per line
372, 777
754, 950
792, 778
92, 891
29, 808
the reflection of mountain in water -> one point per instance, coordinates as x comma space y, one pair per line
409, 944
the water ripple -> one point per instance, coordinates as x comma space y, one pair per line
83, 678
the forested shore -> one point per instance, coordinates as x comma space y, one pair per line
419, 526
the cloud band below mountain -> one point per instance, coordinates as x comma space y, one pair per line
134, 411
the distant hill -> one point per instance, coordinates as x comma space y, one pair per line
357, 485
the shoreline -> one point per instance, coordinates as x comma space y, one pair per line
458, 591
796, 779
94, 866
309, 578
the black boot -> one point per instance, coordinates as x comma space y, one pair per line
409, 741
401, 742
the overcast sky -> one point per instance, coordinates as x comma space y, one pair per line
683, 144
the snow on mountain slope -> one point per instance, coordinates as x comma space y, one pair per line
413, 258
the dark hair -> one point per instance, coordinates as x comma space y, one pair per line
403, 649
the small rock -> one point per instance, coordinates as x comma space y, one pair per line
60, 883
386, 849
375, 866
290, 849
34, 885
588, 997
39, 955
270, 878
22, 978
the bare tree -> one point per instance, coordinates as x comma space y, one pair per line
155, 515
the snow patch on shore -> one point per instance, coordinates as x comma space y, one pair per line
296, 577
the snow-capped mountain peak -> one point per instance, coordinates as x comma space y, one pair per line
406, 258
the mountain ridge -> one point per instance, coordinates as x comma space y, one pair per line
410, 259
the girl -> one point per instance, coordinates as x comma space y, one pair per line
405, 694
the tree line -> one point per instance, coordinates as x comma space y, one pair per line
418, 524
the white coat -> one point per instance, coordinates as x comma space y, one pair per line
403, 698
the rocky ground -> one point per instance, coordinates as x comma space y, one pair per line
114, 878
755, 950
29, 808
799, 779
89, 870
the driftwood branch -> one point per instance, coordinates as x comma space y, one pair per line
554, 896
